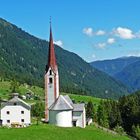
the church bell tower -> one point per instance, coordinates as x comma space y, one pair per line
51, 78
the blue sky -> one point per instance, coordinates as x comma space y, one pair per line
94, 29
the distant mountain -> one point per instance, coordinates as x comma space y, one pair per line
130, 75
23, 57
114, 66
126, 70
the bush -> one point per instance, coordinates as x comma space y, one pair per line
136, 131
119, 130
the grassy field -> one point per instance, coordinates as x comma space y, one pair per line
85, 99
48, 132
5, 89
23, 89
81, 98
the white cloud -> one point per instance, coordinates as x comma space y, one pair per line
100, 32
111, 40
59, 43
104, 44
101, 45
124, 33
88, 31
94, 56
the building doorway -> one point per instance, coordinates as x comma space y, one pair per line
74, 123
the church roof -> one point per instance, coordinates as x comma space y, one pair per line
78, 107
51, 55
16, 101
68, 99
61, 104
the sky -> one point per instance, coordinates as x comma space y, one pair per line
93, 29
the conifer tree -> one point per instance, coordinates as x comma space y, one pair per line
14, 86
102, 115
90, 110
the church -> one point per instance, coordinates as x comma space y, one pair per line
59, 109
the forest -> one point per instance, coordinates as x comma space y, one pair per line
122, 115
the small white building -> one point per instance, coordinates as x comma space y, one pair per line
79, 115
89, 121
60, 113
15, 111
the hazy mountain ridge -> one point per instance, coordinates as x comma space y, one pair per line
130, 75
114, 66
125, 69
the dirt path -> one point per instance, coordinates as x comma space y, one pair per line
105, 129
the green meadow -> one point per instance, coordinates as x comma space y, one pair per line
83, 98
49, 132
5, 90
24, 88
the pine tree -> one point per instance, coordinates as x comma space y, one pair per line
14, 86
102, 115
90, 110
38, 111
136, 131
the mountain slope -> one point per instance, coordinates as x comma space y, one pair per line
114, 66
130, 75
24, 57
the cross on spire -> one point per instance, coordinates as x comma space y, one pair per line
50, 20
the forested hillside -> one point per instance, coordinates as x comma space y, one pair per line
24, 57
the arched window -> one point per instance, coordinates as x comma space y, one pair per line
50, 72
50, 80
15, 103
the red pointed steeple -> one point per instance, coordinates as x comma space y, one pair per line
51, 78
51, 56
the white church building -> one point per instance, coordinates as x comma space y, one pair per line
15, 112
59, 109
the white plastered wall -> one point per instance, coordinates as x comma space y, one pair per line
15, 115
61, 118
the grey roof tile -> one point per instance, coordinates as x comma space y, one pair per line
18, 101
61, 104
78, 107
68, 99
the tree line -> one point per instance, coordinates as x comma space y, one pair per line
122, 115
